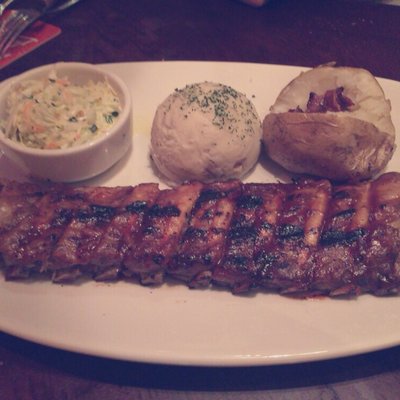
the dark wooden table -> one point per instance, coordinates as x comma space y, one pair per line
291, 32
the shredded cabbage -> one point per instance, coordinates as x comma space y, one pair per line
52, 113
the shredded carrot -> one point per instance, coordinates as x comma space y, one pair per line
51, 145
53, 113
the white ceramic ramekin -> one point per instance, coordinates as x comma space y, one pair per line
82, 161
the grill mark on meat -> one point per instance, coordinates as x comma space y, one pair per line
341, 260
83, 233
24, 248
162, 229
202, 244
51, 222
122, 232
348, 214
267, 219
301, 238
341, 237
287, 265
237, 268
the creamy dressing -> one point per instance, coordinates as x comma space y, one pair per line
52, 113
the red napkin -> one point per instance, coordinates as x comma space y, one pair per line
36, 35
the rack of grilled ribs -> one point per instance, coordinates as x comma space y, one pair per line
303, 238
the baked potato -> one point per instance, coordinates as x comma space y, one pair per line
332, 122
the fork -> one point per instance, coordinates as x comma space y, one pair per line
18, 20
4, 4
15, 23
53, 8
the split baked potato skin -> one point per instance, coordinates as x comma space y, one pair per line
349, 145
337, 148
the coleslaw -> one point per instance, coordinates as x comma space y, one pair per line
52, 113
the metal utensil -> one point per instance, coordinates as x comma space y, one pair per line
55, 7
60, 6
22, 14
4, 4
24, 5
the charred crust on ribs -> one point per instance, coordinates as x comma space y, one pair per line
304, 238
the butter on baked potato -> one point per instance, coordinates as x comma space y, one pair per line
332, 122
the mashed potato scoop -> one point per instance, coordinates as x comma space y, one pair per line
206, 131
332, 122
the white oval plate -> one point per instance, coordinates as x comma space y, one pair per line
173, 324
